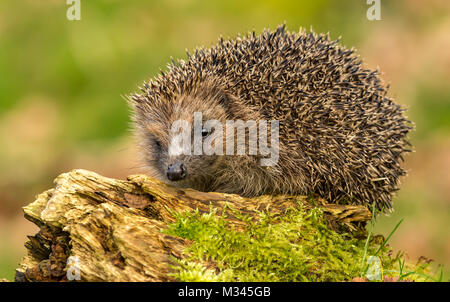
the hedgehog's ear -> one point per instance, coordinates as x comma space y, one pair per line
226, 100
235, 107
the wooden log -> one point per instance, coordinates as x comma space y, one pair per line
110, 230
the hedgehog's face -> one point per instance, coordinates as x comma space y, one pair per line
174, 134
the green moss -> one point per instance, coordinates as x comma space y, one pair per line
297, 246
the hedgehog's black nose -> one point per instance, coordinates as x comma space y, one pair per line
176, 171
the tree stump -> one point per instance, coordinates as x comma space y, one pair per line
112, 228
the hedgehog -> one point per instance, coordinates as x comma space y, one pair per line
341, 137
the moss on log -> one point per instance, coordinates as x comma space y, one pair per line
114, 227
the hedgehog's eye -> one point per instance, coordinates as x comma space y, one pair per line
205, 132
157, 143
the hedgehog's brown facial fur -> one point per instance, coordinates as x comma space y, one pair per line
224, 173
199, 171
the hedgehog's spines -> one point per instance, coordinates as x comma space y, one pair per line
344, 135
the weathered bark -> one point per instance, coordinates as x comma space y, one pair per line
113, 227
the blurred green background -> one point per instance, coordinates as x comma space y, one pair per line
62, 85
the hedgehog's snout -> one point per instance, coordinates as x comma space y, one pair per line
176, 171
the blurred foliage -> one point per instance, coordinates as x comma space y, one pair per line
433, 112
62, 88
